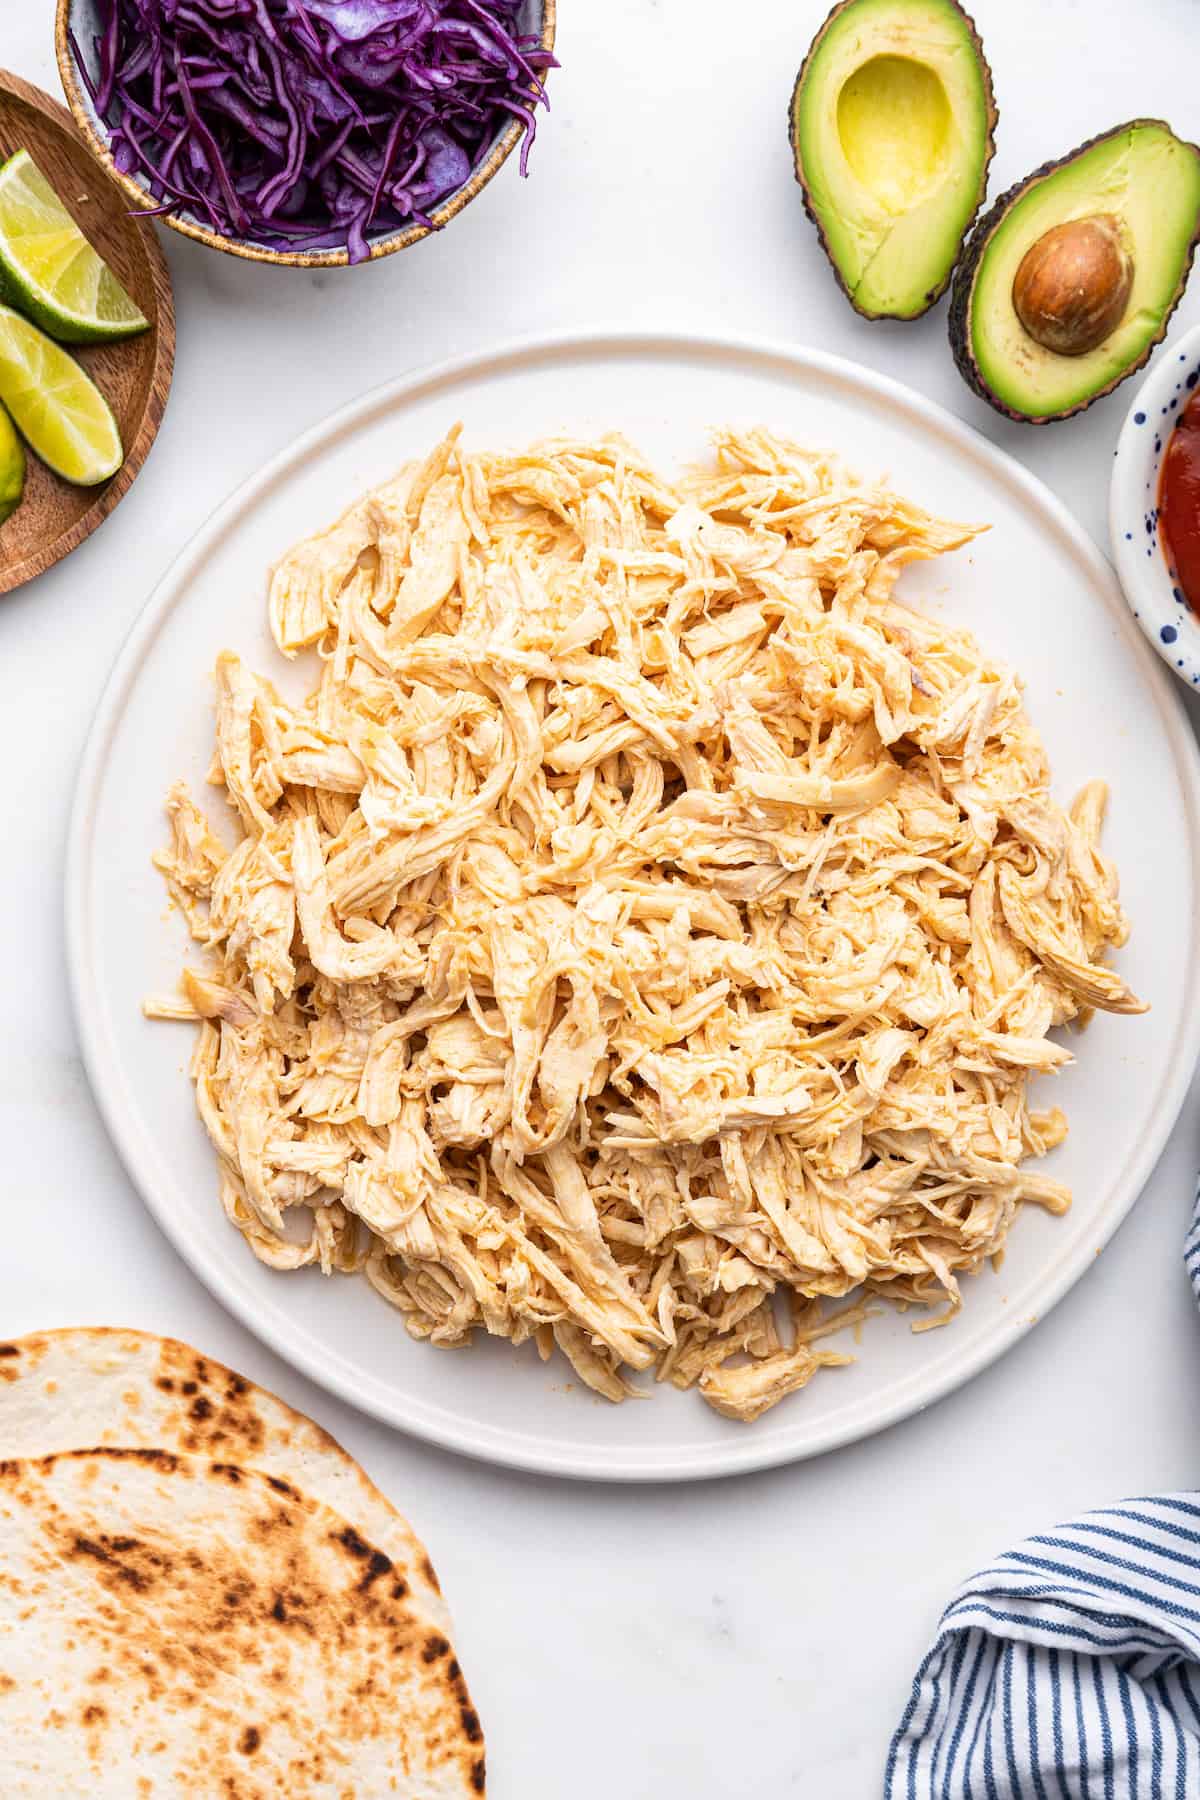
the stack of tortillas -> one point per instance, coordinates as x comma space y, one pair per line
201, 1593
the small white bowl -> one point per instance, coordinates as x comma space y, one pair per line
1155, 598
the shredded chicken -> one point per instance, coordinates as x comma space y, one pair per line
645, 931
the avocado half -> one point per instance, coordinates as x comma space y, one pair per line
1138, 183
892, 121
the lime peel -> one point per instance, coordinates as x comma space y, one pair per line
49, 270
58, 409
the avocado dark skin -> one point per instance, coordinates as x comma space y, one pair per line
964, 284
932, 294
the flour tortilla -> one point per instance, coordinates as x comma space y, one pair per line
84, 1387
177, 1626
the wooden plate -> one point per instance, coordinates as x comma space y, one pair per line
134, 375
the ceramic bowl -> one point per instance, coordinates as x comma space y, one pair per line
79, 18
1154, 596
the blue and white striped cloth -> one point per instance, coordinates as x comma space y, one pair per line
1069, 1669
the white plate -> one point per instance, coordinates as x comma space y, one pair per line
1036, 591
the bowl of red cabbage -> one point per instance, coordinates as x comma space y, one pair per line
306, 132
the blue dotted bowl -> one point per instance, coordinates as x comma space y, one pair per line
1155, 597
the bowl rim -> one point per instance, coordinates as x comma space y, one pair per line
403, 239
1133, 509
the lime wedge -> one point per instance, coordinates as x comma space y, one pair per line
12, 467
61, 414
49, 270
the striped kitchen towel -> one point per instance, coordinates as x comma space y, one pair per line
1069, 1669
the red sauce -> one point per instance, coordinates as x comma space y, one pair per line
1179, 502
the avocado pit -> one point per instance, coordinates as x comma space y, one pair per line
1072, 286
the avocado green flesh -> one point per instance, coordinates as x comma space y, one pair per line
891, 127
1150, 181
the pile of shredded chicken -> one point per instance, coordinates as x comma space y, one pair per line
646, 928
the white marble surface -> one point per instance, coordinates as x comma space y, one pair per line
747, 1636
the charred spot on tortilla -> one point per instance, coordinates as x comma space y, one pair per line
114, 1554
351, 1541
378, 1566
150, 1454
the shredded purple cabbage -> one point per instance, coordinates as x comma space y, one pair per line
310, 124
